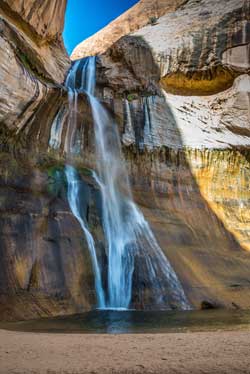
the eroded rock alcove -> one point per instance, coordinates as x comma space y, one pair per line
179, 88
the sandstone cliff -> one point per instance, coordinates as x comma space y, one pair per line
33, 64
144, 12
32, 57
179, 90
45, 18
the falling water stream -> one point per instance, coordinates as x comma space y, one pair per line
128, 236
75, 204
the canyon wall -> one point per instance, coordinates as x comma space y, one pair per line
33, 64
144, 12
32, 58
179, 88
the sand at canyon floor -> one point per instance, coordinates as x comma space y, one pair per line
206, 352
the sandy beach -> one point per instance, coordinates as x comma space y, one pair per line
209, 352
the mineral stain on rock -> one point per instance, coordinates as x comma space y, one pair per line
179, 91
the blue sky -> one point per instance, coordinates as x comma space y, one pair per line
85, 18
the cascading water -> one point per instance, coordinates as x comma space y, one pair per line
73, 179
129, 133
75, 204
113, 181
57, 128
128, 235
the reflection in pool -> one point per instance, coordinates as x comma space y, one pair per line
120, 322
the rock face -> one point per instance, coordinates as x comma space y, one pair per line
179, 89
46, 18
40, 274
32, 59
202, 57
33, 63
146, 11
193, 60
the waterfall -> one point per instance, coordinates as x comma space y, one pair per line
88, 75
127, 233
148, 139
57, 129
129, 133
113, 182
129, 238
69, 144
75, 205
73, 179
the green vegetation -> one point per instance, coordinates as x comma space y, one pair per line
57, 182
153, 20
131, 97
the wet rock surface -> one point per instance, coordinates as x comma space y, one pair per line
187, 146
180, 96
44, 268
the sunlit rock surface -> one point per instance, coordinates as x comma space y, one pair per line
45, 17
179, 90
196, 58
144, 12
32, 57
188, 146
218, 121
197, 203
190, 56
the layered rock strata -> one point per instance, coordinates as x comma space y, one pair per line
179, 91
202, 56
33, 58
33, 63
143, 13
181, 98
